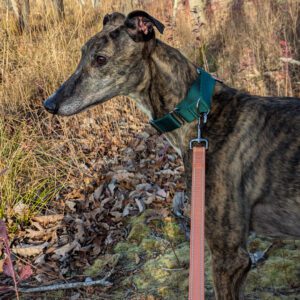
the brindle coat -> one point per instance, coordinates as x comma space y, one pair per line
253, 180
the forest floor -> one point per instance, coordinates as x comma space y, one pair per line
97, 196
124, 232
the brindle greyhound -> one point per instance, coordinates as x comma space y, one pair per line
253, 180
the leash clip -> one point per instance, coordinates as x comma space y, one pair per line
200, 139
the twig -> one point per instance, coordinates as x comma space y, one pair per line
4, 239
167, 269
6, 245
65, 286
290, 60
173, 249
27, 262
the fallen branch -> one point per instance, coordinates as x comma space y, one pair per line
167, 269
65, 286
290, 60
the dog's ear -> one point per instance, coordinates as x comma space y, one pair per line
140, 25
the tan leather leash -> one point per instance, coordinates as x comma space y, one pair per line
197, 237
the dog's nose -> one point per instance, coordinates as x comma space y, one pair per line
50, 106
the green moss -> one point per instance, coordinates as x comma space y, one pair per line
154, 246
122, 247
287, 251
165, 274
280, 273
172, 231
140, 229
281, 270
128, 254
138, 232
99, 264
143, 217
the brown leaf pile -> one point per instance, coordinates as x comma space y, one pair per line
146, 174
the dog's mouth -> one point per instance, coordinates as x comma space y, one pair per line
83, 108
67, 110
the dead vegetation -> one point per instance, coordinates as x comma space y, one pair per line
71, 188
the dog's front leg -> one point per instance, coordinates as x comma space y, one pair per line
230, 268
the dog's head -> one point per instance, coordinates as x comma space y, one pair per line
113, 62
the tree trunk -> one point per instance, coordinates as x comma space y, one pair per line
21, 10
60, 8
175, 7
237, 12
95, 3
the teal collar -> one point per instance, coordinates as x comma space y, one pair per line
197, 101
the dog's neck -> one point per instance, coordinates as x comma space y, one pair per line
171, 77
167, 79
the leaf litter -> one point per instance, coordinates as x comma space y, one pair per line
86, 231
62, 243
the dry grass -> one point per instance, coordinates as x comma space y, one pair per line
244, 44
37, 150
42, 154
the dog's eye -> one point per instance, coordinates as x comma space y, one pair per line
101, 60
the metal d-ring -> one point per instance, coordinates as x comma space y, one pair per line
199, 139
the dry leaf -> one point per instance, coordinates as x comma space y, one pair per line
143, 187
117, 215
140, 205
25, 272
80, 234
112, 187
38, 226
141, 147
161, 193
75, 194
167, 172
62, 251
45, 220
71, 205
40, 260
8, 269
149, 199
178, 203
98, 192
21, 209
30, 250
44, 234
123, 175
126, 210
